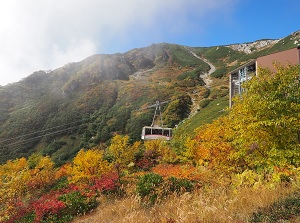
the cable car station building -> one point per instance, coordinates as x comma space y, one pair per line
249, 69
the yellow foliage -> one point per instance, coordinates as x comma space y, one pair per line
266, 119
86, 166
43, 174
247, 178
14, 176
213, 146
19, 179
190, 151
155, 145
262, 128
122, 151
168, 155
162, 149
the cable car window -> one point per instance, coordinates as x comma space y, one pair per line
148, 131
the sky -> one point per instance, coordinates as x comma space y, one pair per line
47, 34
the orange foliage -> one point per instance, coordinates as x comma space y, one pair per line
62, 171
188, 172
214, 148
43, 174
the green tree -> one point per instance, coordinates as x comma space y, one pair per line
177, 110
266, 119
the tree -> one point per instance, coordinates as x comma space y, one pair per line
14, 176
261, 131
43, 173
87, 166
177, 110
266, 119
122, 152
214, 148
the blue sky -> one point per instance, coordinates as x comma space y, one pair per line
46, 34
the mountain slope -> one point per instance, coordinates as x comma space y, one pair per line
84, 104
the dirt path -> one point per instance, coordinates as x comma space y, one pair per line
206, 76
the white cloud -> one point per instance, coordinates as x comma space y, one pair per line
46, 34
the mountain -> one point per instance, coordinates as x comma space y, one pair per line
84, 104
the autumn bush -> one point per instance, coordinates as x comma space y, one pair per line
177, 185
40, 209
108, 183
265, 120
46, 206
34, 191
261, 131
122, 152
87, 166
78, 202
60, 205
152, 187
243, 166
23, 180
148, 159
187, 171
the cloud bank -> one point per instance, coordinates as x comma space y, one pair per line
46, 34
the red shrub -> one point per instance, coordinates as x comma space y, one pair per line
107, 183
145, 164
47, 205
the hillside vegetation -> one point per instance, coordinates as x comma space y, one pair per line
70, 139
84, 104
242, 167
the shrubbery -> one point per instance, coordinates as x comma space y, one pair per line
253, 147
64, 204
148, 186
77, 202
152, 187
280, 211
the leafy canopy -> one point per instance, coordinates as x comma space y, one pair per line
262, 130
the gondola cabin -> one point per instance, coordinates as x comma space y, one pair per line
156, 132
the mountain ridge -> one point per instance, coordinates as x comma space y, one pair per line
103, 92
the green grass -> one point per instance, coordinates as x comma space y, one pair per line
183, 57
216, 55
213, 110
284, 209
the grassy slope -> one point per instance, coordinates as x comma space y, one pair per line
206, 115
212, 204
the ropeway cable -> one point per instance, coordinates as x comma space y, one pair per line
37, 137
40, 131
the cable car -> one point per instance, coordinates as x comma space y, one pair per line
156, 131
